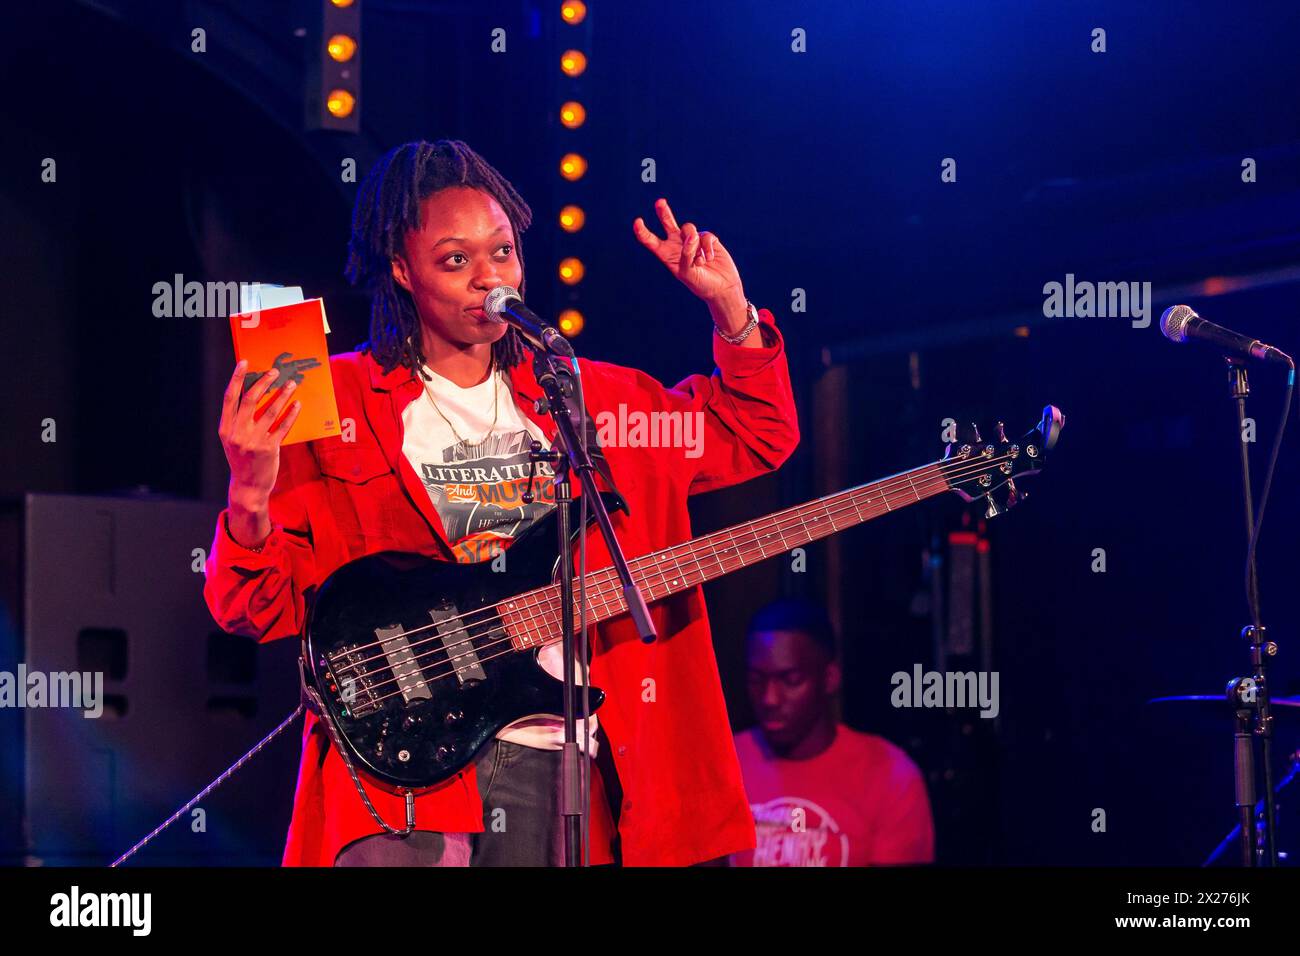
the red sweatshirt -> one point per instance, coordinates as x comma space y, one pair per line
335, 501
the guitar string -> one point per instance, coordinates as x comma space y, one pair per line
885, 486
545, 608
549, 615
897, 481
544, 600
452, 659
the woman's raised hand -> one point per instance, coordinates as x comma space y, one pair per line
697, 258
252, 443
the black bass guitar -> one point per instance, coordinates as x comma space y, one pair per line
417, 663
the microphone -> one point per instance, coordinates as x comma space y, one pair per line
503, 304
1180, 324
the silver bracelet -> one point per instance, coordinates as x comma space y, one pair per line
744, 333
231, 537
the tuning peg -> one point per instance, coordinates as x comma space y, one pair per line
993, 510
975, 431
1013, 496
1002, 433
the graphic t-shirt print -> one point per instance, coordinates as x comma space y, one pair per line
478, 492
794, 831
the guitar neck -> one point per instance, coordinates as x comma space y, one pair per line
532, 618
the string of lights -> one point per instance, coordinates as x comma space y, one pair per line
573, 165
334, 86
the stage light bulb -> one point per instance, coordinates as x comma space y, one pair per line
572, 218
573, 62
571, 322
341, 47
571, 270
341, 3
573, 11
340, 103
572, 166
572, 115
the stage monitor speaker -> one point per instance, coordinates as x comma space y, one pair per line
112, 592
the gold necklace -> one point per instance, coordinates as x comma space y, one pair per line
496, 409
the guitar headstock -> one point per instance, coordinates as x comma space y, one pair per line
977, 467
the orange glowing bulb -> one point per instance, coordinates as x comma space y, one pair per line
571, 322
340, 103
573, 62
573, 11
571, 270
572, 115
572, 218
572, 166
341, 47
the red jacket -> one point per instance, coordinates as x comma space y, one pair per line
334, 501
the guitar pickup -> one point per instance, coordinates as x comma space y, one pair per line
455, 639
401, 660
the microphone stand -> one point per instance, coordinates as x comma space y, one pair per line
560, 379
1250, 696
1235, 834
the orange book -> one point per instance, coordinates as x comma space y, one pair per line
291, 338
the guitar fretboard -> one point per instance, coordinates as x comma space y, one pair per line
533, 618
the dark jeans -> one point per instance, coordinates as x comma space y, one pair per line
520, 787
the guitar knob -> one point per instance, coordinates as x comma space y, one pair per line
453, 717
409, 723
444, 752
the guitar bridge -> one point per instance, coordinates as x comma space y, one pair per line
350, 681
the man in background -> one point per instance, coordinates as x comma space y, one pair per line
821, 793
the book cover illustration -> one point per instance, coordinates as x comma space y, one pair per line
290, 338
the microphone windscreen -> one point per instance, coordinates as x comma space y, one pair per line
498, 299
1174, 322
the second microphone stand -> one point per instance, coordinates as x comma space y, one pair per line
1250, 696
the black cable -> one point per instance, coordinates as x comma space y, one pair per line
1252, 596
1252, 584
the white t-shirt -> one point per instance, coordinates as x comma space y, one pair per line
476, 487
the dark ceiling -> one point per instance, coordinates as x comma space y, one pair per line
821, 169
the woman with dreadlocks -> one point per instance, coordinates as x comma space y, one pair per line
444, 405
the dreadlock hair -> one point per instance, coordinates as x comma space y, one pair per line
388, 204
